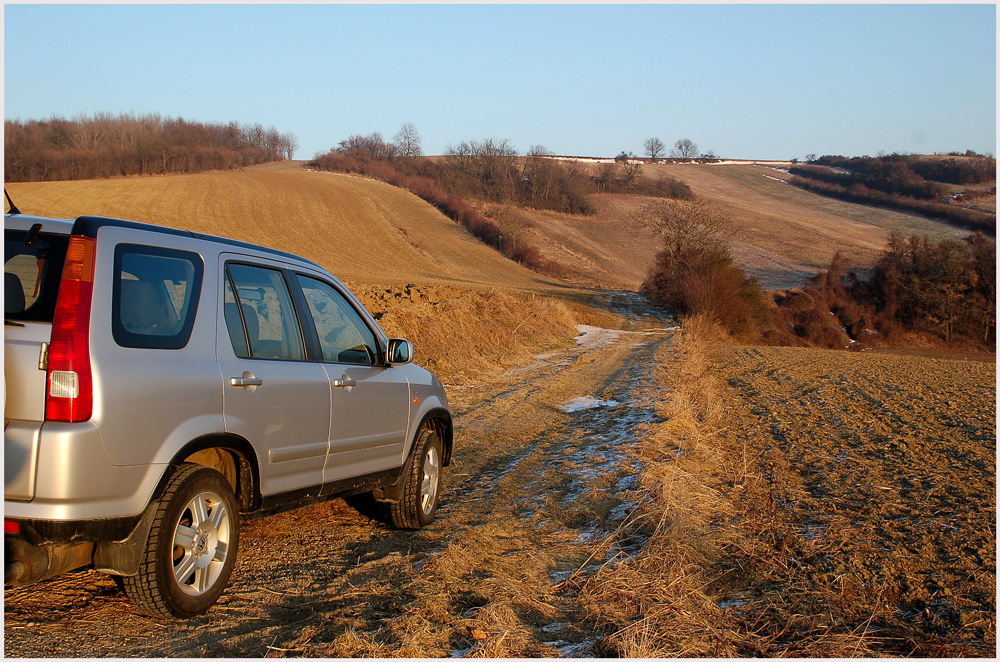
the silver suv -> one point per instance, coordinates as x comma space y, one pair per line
162, 386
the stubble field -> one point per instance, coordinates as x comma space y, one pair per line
874, 489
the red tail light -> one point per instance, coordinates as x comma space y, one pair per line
69, 396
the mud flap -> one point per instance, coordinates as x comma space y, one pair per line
121, 557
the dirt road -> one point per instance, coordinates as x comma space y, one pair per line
539, 478
874, 502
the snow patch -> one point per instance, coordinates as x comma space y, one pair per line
594, 337
587, 402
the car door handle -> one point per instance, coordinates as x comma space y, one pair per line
344, 382
244, 381
249, 381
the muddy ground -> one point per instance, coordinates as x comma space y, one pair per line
867, 511
874, 498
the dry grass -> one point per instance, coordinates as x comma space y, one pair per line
470, 335
662, 601
362, 231
785, 234
688, 592
373, 233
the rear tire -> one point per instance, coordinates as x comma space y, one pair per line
191, 549
422, 486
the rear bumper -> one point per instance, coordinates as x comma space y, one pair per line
59, 473
38, 549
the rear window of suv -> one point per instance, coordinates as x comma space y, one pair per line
155, 296
31, 274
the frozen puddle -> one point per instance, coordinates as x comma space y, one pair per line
587, 402
594, 337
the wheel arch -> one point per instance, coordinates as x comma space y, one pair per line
233, 457
440, 421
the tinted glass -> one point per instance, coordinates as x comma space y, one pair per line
31, 275
343, 335
263, 325
155, 297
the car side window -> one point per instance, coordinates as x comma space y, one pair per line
155, 296
343, 335
259, 314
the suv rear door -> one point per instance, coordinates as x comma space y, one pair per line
272, 395
33, 262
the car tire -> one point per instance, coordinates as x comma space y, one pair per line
422, 487
191, 549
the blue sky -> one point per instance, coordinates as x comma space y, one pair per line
744, 81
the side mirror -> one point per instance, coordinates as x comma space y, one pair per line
400, 351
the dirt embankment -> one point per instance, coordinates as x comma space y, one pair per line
872, 499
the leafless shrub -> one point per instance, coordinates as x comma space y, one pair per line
695, 272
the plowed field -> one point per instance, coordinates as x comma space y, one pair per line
876, 489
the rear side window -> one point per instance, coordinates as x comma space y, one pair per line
31, 274
155, 296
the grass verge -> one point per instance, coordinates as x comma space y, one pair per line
467, 336
714, 576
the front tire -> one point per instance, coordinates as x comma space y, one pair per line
422, 489
191, 549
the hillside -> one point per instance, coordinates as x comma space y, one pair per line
365, 232
785, 234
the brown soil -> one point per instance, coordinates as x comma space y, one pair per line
874, 499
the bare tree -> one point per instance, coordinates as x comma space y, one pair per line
684, 224
407, 141
289, 143
490, 163
631, 167
368, 148
684, 149
654, 148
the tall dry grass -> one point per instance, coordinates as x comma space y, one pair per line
712, 578
662, 602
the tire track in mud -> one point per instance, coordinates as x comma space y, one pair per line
535, 488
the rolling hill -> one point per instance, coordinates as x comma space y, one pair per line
784, 234
369, 233
365, 232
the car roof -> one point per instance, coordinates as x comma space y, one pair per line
88, 226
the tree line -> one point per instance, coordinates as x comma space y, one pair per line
106, 145
910, 183
968, 168
944, 288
